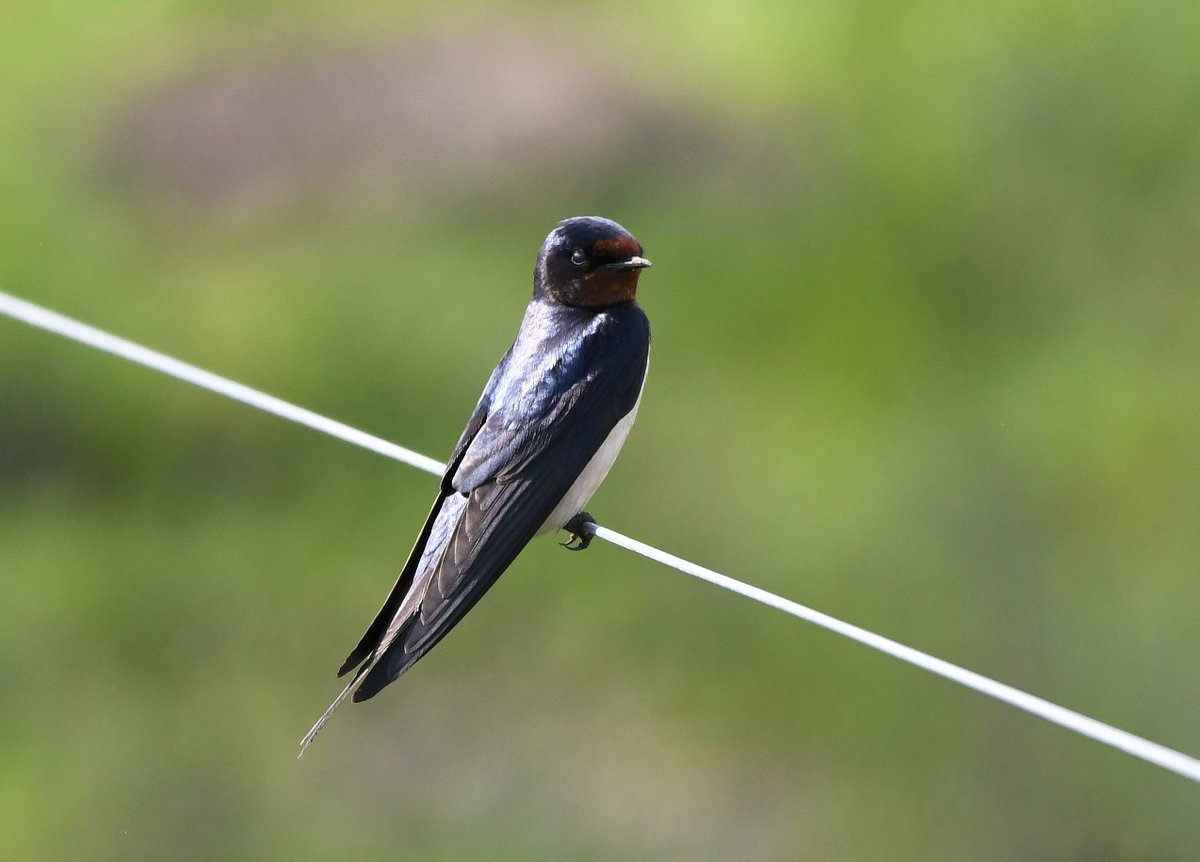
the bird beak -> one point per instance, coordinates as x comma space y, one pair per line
630, 263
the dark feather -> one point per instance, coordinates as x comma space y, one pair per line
405, 581
510, 469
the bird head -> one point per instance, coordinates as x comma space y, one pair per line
589, 261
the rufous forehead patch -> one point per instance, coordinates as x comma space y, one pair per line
618, 248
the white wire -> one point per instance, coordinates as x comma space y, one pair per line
1144, 749
42, 318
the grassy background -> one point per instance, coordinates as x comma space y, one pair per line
925, 320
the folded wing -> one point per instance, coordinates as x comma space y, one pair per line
520, 452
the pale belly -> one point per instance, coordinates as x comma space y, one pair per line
593, 474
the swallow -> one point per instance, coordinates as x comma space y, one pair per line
546, 430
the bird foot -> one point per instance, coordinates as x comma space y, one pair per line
582, 529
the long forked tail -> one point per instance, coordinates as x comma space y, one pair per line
381, 649
338, 701
328, 714
399, 611
396, 619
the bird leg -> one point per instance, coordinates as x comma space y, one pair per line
582, 529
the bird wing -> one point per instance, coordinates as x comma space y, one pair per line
510, 468
404, 581
509, 479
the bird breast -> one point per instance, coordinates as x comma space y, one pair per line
593, 473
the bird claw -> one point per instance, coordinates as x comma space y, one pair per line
582, 529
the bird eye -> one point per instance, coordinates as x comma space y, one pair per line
578, 257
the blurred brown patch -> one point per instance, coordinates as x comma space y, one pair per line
472, 112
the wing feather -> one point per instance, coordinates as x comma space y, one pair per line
526, 442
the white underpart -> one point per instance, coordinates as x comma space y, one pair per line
593, 474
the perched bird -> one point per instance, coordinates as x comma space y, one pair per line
543, 436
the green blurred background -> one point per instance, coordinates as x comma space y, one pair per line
926, 357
